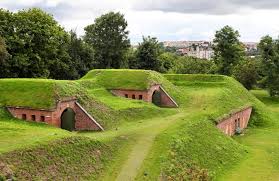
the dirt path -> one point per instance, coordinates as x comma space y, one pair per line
142, 146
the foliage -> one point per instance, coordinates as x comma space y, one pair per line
269, 50
37, 44
167, 62
82, 55
190, 65
131, 59
4, 55
147, 54
246, 73
109, 38
228, 50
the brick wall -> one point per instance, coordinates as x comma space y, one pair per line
146, 95
239, 119
83, 121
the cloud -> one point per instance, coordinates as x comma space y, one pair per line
168, 19
217, 7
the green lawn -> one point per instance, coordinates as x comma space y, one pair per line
16, 134
142, 141
262, 162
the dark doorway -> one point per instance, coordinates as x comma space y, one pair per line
156, 98
24, 116
68, 119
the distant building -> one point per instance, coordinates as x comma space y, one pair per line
203, 49
198, 49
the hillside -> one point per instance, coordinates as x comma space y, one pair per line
141, 141
194, 149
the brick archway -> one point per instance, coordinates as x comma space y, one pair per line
156, 97
147, 95
68, 119
83, 120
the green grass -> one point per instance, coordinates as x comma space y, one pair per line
35, 93
142, 141
72, 158
124, 78
263, 161
194, 147
16, 134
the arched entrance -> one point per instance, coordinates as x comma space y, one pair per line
68, 119
156, 98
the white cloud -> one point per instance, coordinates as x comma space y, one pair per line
251, 22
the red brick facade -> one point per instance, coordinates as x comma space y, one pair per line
83, 121
146, 95
236, 120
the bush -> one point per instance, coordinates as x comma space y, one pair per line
246, 73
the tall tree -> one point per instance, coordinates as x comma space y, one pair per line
147, 54
4, 55
269, 50
81, 54
246, 73
228, 50
37, 44
109, 39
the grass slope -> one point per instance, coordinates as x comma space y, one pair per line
35, 93
263, 161
72, 158
195, 149
125, 78
153, 143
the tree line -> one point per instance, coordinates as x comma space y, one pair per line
34, 45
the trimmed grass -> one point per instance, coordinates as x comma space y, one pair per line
72, 158
150, 142
17, 134
35, 93
263, 160
124, 78
194, 148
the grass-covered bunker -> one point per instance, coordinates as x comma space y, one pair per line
68, 114
39, 100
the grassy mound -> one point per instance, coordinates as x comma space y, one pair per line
232, 96
125, 78
188, 145
195, 149
35, 93
108, 79
72, 158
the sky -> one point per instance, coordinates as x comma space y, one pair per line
166, 19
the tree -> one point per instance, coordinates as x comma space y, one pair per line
37, 44
228, 50
109, 38
147, 54
192, 65
4, 55
269, 50
82, 55
246, 73
167, 62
